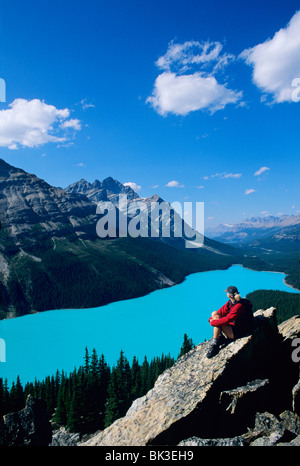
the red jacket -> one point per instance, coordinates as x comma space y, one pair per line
229, 313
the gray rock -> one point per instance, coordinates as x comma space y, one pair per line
292, 443
63, 438
28, 427
245, 394
296, 398
290, 422
218, 442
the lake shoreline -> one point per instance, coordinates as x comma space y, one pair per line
34, 312
270, 271
149, 325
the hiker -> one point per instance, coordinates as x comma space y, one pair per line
233, 320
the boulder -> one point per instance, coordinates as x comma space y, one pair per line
268, 430
185, 399
28, 427
63, 438
215, 442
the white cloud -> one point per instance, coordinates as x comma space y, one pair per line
181, 57
174, 184
261, 170
32, 124
84, 104
187, 93
133, 185
224, 175
249, 191
187, 82
72, 123
276, 62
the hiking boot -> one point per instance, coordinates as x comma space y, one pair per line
222, 340
213, 350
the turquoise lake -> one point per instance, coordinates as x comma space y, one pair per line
39, 344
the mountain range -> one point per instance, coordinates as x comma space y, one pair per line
255, 229
51, 256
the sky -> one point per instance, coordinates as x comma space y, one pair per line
197, 101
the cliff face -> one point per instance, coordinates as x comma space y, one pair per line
214, 398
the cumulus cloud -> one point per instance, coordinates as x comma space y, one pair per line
33, 123
249, 191
276, 62
188, 83
261, 171
174, 184
187, 93
72, 123
133, 185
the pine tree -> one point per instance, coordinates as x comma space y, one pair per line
60, 415
145, 376
186, 346
77, 410
104, 378
86, 361
136, 379
112, 406
17, 399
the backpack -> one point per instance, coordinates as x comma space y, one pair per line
248, 317
248, 305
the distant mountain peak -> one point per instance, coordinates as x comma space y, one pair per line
253, 228
107, 190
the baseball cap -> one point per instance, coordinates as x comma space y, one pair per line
231, 290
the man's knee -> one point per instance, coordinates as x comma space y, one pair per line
215, 315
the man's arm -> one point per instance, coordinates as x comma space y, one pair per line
230, 317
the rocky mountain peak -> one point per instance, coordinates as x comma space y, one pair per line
27, 201
107, 190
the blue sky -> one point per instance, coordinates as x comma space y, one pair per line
193, 100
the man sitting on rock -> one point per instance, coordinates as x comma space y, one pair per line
233, 320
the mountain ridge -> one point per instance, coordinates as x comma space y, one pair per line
51, 256
253, 228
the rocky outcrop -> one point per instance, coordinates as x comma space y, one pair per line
214, 398
28, 427
268, 430
63, 438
